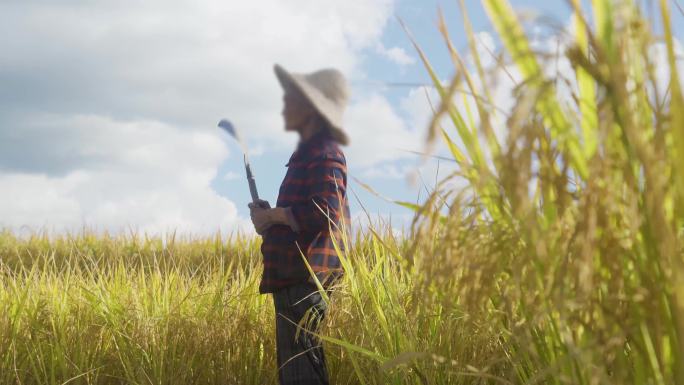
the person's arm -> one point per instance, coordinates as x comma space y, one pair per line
326, 187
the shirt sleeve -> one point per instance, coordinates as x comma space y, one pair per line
291, 221
326, 182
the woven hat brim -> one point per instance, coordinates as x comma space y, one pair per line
328, 110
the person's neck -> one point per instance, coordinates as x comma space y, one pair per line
308, 130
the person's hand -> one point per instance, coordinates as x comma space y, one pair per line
260, 212
261, 219
260, 203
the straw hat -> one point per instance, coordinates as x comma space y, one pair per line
327, 91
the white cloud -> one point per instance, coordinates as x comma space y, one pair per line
396, 54
486, 49
378, 133
156, 179
108, 109
387, 141
185, 62
416, 105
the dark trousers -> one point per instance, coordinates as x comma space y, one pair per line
300, 355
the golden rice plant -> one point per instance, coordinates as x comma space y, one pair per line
576, 269
99, 309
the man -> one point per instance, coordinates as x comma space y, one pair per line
310, 210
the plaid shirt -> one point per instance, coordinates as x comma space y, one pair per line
316, 175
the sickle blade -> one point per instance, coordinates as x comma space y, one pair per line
228, 126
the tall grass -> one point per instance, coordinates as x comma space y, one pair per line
87, 309
567, 249
103, 310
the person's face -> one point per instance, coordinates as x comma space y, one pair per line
296, 109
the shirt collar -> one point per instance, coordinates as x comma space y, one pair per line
313, 139
304, 147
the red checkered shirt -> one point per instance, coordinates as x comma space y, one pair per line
315, 183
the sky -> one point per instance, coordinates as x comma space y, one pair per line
108, 110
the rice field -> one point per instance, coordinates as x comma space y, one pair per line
560, 262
